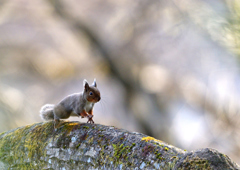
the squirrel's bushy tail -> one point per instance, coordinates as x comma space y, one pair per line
46, 112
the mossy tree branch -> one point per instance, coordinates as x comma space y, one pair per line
75, 145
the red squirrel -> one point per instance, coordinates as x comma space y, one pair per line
77, 104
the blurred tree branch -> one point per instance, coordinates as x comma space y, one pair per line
132, 87
78, 26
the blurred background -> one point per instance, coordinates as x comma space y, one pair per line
166, 68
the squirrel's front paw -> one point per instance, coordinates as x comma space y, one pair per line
90, 116
90, 120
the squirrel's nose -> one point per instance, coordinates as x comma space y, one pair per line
99, 98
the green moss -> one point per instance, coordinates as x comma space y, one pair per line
68, 127
36, 140
100, 130
78, 145
28, 141
85, 127
99, 141
195, 163
102, 155
129, 164
121, 152
133, 144
2, 133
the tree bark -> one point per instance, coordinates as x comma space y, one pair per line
75, 145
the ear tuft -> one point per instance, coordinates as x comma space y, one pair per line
85, 84
94, 83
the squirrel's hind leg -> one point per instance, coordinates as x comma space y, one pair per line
56, 121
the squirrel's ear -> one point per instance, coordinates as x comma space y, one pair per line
85, 84
94, 83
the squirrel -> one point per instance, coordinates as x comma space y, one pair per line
77, 104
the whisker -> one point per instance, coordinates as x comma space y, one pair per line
103, 105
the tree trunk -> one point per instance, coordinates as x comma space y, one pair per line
75, 145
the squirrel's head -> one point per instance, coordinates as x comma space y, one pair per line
92, 93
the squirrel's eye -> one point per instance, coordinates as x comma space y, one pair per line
91, 93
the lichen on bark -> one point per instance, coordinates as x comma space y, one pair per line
75, 145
